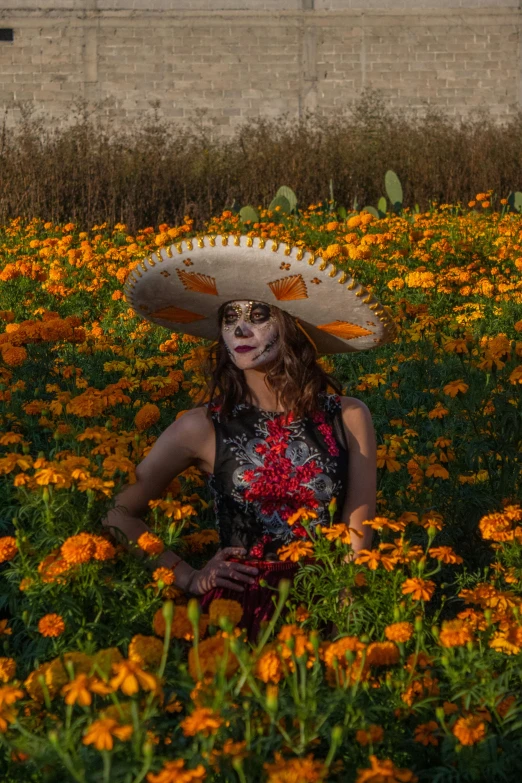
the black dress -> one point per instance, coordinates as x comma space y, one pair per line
268, 465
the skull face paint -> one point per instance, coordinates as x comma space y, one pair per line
250, 333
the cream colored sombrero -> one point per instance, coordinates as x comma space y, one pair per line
182, 287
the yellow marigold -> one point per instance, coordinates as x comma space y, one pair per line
101, 733
7, 669
469, 730
221, 607
384, 771
269, 667
165, 575
151, 544
51, 625
399, 632
8, 548
372, 734
202, 721
339, 532
78, 691
211, 653
130, 677
14, 356
295, 551
175, 772
382, 654
146, 651
419, 589
146, 417
181, 625
296, 770
78, 549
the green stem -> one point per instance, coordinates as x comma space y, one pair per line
106, 766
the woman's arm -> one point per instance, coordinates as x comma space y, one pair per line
188, 441
361, 489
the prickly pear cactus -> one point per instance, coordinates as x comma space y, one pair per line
289, 194
382, 207
515, 201
248, 215
393, 188
283, 204
372, 211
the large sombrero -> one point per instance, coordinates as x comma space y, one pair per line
182, 287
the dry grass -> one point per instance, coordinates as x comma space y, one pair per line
156, 173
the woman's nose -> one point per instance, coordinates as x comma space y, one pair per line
242, 329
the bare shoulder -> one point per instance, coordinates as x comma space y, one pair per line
193, 427
357, 419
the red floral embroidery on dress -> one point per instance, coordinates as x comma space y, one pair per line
273, 483
327, 432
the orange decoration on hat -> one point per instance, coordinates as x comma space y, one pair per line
177, 315
344, 329
195, 281
292, 287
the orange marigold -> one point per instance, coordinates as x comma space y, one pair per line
382, 654
469, 730
181, 625
146, 417
165, 575
296, 770
295, 551
419, 589
78, 549
373, 734
269, 667
399, 632
202, 721
211, 653
146, 651
51, 625
384, 772
175, 772
455, 633
101, 732
424, 733
151, 544
7, 669
13, 356
221, 607
8, 548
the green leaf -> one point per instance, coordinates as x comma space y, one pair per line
289, 194
283, 204
248, 214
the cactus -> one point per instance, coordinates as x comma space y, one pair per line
372, 211
355, 205
342, 213
283, 204
382, 207
393, 188
417, 209
289, 194
515, 201
248, 215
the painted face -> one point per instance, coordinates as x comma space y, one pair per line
251, 333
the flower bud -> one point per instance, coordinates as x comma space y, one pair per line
435, 631
167, 611
439, 712
272, 700
52, 736
337, 734
418, 623
396, 613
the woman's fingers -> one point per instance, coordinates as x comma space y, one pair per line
230, 551
231, 585
233, 573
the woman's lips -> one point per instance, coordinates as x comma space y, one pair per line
244, 348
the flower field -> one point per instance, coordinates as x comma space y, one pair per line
402, 665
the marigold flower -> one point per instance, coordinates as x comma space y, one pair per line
165, 575
295, 770
151, 544
12, 355
211, 653
51, 625
382, 654
77, 691
419, 589
4, 630
181, 625
101, 732
146, 651
146, 417
78, 549
339, 532
103, 549
384, 772
8, 548
175, 772
203, 720
455, 387
7, 669
130, 677
445, 554
470, 729
301, 513
399, 632
424, 733
221, 607
384, 523
269, 667
295, 551
373, 734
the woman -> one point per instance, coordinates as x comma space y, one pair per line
272, 440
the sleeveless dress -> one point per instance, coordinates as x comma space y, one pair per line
267, 466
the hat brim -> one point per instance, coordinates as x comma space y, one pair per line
182, 287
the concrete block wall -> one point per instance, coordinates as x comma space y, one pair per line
237, 59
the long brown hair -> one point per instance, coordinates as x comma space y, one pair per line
295, 376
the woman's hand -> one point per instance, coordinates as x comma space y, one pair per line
220, 572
